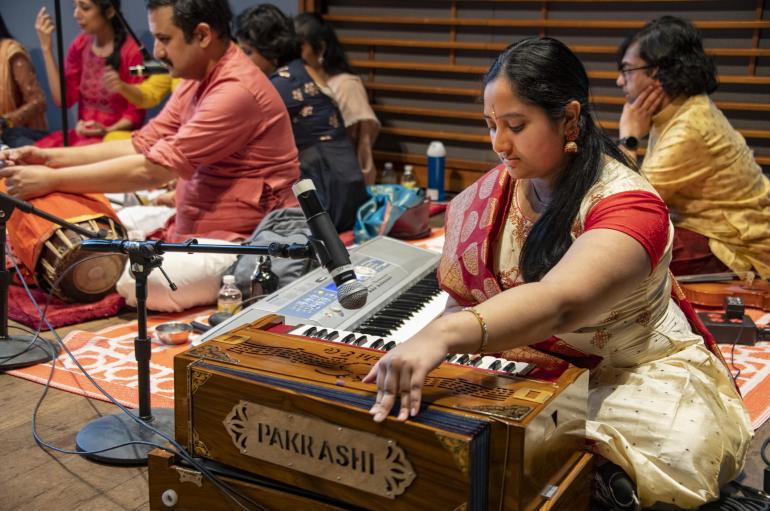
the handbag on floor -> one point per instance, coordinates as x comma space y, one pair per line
392, 210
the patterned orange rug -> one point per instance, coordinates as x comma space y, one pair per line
108, 356
753, 362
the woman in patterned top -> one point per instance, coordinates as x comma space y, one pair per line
101, 43
326, 155
563, 251
323, 52
22, 101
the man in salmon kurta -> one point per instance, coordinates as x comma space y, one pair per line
717, 195
224, 135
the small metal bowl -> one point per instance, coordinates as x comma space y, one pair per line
175, 332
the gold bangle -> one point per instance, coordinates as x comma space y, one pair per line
484, 330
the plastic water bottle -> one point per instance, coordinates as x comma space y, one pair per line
408, 180
436, 163
389, 176
229, 295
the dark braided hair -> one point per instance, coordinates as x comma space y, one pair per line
113, 59
312, 29
545, 73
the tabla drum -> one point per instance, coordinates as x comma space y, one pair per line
48, 251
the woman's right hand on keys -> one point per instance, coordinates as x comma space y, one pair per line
400, 375
45, 27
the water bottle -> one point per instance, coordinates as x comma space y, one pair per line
263, 280
436, 162
408, 180
229, 295
389, 176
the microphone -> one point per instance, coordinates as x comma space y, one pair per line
150, 67
330, 251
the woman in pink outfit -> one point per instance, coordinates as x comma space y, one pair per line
101, 43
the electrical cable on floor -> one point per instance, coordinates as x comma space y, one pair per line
178, 450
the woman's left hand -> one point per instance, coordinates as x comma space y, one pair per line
400, 374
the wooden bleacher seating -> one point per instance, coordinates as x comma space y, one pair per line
422, 65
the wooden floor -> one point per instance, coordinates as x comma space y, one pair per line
35, 479
39, 480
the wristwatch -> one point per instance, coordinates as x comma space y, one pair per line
630, 142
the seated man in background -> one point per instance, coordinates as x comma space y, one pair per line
224, 135
717, 195
322, 51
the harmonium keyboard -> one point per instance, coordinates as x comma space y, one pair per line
265, 399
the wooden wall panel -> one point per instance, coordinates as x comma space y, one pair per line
422, 62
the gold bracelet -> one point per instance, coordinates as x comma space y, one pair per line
484, 330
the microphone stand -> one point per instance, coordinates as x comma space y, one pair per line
111, 430
62, 86
23, 350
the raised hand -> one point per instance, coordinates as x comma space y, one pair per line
636, 119
400, 375
45, 27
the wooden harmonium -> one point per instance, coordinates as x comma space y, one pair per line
294, 410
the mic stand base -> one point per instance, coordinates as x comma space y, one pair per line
112, 430
119, 428
18, 351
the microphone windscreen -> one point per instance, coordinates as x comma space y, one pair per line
352, 294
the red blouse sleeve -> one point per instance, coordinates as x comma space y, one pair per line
641, 215
73, 68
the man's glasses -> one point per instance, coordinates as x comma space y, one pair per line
625, 70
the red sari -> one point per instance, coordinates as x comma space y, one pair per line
83, 71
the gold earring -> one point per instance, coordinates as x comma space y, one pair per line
571, 147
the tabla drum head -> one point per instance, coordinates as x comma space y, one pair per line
88, 281
92, 279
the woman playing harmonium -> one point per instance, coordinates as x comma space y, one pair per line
563, 241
